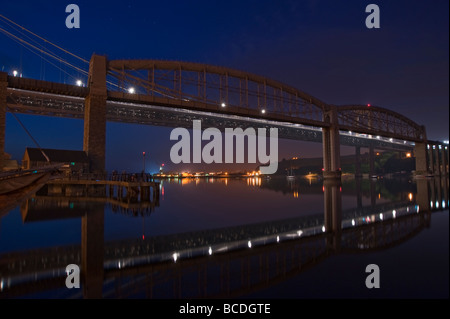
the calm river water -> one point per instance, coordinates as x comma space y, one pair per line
233, 238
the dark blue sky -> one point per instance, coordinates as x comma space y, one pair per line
320, 47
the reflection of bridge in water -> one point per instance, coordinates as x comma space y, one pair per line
224, 262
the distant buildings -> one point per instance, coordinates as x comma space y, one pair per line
386, 162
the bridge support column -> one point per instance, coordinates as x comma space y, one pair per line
420, 150
430, 154
445, 191
371, 161
358, 193
92, 251
373, 192
331, 146
439, 195
445, 160
358, 162
437, 158
433, 190
423, 194
333, 212
3, 86
94, 142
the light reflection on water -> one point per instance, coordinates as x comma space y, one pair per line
206, 217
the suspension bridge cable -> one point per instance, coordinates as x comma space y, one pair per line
46, 60
22, 33
42, 51
47, 52
36, 42
45, 40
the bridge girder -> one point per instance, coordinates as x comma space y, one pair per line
46, 104
287, 104
221, 89
377, 120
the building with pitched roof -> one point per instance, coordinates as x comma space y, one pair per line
73, 161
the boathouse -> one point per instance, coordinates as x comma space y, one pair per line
73, 161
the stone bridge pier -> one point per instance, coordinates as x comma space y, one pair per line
331, 146
432, 159
94, 140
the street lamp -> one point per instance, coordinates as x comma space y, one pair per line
143, 161
15, 73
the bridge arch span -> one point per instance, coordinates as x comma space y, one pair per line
383, 235
216, 88
375, 120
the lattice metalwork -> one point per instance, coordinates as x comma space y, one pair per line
212, 88
378, 121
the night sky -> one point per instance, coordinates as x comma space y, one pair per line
320, 47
